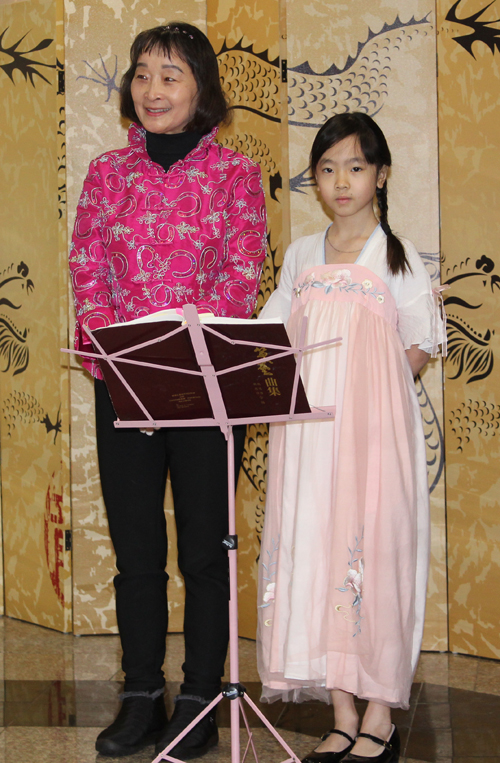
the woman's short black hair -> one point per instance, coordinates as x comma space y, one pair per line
192, 47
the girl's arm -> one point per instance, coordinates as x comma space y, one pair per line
417, 359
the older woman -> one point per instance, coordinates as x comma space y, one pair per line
174, 218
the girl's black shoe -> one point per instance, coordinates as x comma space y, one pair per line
330, 757
390, 753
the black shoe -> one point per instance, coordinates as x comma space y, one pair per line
390, 753
330, 757
199, 740
141, 721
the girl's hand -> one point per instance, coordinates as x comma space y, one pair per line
417, 359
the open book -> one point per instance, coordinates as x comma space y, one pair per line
177, 315
258, 390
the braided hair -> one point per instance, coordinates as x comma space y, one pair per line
376, 151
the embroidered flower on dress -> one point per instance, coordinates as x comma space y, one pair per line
337, 278
269, 592
353, 581
341, 280
268, 575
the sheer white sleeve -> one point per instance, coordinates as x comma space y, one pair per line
279, 303
419, 315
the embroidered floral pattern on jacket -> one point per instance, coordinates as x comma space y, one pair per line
341, 280
353, 582
146, 240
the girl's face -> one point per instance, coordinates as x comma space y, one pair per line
164, 92
346, 182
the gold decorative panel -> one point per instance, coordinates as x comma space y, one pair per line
33, 388
249, 62
469, 118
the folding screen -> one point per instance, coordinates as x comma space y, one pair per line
469, 118
249, 63
377, 57
33, 318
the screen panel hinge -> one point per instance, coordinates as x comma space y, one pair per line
61, 82
284, 70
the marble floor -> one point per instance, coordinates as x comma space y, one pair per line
59, 690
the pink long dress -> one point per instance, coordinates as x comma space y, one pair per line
344, 558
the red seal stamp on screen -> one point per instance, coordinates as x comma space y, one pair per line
54, 536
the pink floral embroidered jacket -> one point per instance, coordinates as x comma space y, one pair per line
147, 240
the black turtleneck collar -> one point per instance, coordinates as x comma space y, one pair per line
165, 150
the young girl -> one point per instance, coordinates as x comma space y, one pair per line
346, 540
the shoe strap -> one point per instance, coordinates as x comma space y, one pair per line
381, 742
337, 731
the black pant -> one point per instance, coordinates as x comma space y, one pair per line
133, 468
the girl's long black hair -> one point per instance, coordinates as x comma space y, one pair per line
376, 151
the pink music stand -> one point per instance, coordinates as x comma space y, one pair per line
234, 690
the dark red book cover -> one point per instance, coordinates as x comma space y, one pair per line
262, 390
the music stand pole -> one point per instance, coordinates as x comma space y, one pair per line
234, 674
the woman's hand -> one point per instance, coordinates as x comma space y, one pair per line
417, 359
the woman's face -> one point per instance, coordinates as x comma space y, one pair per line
164, 92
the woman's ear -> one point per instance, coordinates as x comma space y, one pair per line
382, 176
